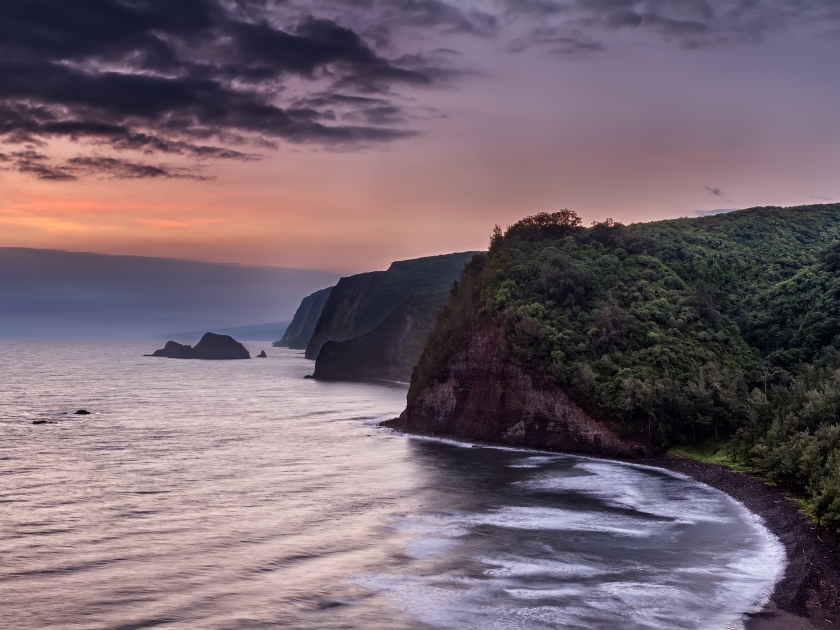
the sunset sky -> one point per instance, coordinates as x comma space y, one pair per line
344, 134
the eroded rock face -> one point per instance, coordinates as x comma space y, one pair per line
482, 396
390, 351
303, 324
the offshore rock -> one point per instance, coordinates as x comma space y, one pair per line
479, 395
219, 347
211, 347
262, 355
173, 350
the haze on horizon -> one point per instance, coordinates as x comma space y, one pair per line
344, 135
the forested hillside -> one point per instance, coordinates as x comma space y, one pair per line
674, 332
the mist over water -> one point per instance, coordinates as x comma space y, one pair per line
235, 494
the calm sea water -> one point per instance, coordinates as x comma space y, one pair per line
238, 495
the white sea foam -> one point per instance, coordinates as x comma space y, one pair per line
568, 591
567, 567
544, 518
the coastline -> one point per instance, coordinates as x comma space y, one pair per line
808, 595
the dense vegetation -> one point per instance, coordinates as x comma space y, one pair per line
677, 331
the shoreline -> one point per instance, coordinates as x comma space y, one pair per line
807, 597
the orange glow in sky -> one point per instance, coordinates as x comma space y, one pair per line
636, 133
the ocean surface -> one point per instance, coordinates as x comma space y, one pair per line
236, 494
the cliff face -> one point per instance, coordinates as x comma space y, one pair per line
388, 352
338, 317
358, 304
479, 395
306, 317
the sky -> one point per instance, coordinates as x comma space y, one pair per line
345, 134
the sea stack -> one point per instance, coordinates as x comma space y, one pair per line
212, 347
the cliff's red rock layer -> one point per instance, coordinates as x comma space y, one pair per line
481, 396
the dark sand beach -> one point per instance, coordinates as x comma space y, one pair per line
808, 596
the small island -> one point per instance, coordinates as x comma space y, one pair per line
211, 347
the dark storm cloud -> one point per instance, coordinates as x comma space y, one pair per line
178, 78
577, 27
211, 79
40, 166
36, 164
690, 23
123, 169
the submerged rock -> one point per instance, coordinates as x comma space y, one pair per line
82, 412
211, 347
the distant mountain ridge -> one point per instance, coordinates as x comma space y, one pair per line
53, 294
254, 332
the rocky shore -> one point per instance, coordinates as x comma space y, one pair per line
808, 596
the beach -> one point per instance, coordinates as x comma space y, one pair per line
808, 596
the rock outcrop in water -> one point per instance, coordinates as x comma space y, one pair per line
388, 352
303, 324
212, 347
173, 350
479, 395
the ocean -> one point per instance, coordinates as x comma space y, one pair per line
237, 494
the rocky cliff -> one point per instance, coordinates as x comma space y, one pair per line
358, 304
338, 320
480, 395
306, 317
388, 352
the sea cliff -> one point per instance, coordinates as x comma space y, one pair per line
303, 324
359, 303
388, 352
478, 395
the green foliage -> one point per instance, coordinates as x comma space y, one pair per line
618, 329
674, 330
718, 452
793, 436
